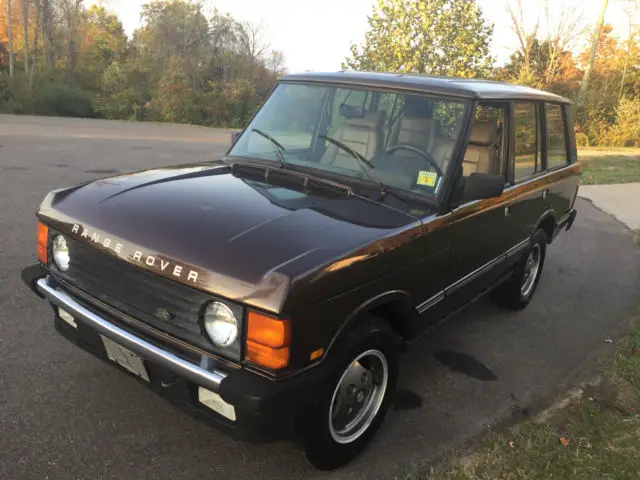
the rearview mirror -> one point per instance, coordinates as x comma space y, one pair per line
479, 186
350, 111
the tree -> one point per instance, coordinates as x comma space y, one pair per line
558, 73
275, 63
543, 59
25, 26
10, 34
526, 39
438, 37
35, 46
633, 44
252, 41
72, 13
48, 34
594, 48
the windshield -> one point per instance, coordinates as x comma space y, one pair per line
399, 140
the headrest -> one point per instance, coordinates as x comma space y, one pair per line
416, 106
370, 120
483, 133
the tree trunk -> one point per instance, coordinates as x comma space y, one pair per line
48, 33
584, 86
10, 34
34, 58
632, 34
25, 21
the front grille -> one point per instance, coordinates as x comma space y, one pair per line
137, 292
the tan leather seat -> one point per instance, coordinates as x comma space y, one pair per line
480, 156
360, 134
415, 126
417, 132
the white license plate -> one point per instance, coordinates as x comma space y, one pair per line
125, 358
67, 318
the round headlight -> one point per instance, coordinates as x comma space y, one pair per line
61, 253
221, 324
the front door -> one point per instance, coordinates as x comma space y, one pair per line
479, 227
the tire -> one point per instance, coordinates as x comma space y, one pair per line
517, 291
365, 386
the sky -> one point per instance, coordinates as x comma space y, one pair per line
316, 34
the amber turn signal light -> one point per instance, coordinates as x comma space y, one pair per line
267, 340
268, 331
273, 358
43, 238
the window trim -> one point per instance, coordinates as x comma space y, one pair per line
563, 112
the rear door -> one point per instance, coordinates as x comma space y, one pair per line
562, 187
527, 182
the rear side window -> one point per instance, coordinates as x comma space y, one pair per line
527, 147
556, 137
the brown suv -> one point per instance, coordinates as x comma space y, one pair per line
270, 290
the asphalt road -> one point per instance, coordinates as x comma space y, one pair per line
65, 415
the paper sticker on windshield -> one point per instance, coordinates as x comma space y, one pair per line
428, 179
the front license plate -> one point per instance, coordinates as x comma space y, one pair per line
125, 358
67, 317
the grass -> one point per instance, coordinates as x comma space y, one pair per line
602, 166
596, 434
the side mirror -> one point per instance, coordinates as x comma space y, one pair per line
479, 186
234, 137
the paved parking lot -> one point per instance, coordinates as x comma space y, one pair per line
65, 415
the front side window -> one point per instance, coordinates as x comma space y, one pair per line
485, 150
399, 139
528, 158
556, 137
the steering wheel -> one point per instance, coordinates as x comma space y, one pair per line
424, 155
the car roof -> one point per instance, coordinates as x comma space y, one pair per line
461, 87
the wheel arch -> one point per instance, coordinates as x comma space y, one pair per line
547, 222
396, 307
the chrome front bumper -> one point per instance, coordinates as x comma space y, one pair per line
210, 380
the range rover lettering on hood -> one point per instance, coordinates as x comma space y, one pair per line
154, 262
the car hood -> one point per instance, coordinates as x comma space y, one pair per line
223, 229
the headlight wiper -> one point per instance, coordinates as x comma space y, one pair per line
277, 146
361, 161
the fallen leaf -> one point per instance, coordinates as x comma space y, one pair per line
564, 441
511, 444
634, 350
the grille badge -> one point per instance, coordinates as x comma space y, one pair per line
162, 314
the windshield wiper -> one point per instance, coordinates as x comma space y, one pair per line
361, 161
277, 146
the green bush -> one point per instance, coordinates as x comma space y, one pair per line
15, 96
582, 140
63, 101
625, 132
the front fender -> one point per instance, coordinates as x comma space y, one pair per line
395, 306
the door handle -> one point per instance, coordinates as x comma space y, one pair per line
507, 211
545, 192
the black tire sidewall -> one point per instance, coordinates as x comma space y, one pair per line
322, 450
539, 238
509, 294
